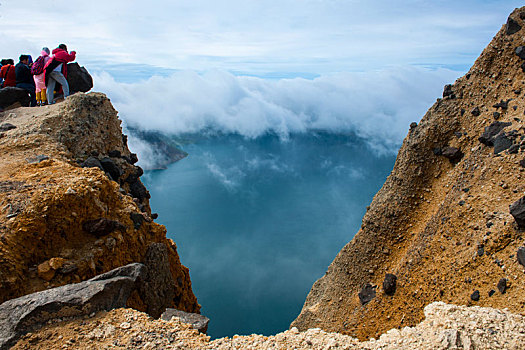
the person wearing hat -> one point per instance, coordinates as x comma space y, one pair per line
40, 81
56, 71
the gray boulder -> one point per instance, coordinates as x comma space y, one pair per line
196, 321
104, 292
502, 142
78, 78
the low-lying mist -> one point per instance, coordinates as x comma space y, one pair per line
377, 106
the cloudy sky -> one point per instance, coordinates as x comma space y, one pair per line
256, 37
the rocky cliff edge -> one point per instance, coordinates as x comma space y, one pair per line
72, 205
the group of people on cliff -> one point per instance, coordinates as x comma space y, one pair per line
39, 78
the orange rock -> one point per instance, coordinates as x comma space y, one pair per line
45, 271
56, 263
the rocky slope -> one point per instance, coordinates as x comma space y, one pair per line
447, 227
445, 327
440, 228
72, 205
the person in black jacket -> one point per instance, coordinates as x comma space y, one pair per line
24, 78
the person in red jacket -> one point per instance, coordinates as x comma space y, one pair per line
8, 73
56, 71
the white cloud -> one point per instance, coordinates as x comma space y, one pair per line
378, 106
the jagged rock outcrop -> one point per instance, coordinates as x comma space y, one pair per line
63, 223
104, 292
442, 227
78, 78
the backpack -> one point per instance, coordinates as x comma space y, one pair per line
38, 66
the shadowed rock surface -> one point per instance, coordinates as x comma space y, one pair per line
11, 95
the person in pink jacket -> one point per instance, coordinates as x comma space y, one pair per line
40, 82
56, 71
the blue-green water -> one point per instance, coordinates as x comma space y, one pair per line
257, 221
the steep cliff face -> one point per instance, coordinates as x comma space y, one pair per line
441, 222
71, 202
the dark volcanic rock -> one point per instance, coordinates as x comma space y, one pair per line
491, 292
475, 296
115, 154
522, 163
196, 321
390, 284
7, 127
475, 111
11, 95
138, 220
91, 162
520, 255
512, 26
367, 293
502, 285
517, 210
104, 292
111, 168
496, 115
133, 158
68, 268
78, 78
481, 250
447, 91
501, 143
487, 138
453, 154
101, 227
502, 104
514, 149
520, 51
135, 174
158, 289
138, 190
